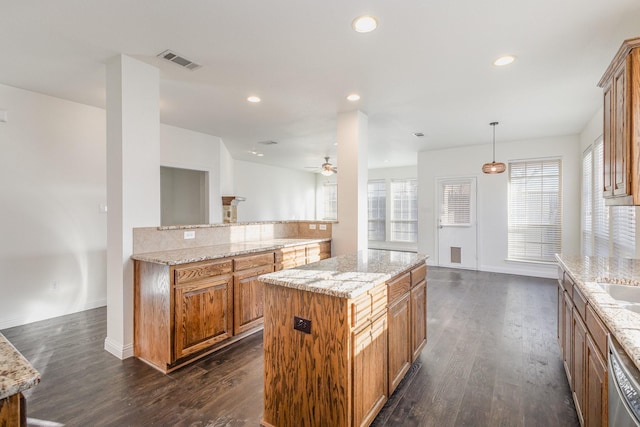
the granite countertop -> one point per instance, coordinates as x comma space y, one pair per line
16, 373
346, 276
586, 273
185, 256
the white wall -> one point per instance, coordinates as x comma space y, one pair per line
273, 193
52, 184
187, 149
492, 198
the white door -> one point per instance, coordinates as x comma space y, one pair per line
457, 235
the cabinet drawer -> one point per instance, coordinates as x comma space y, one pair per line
418, 274
567, 284
252, 261
368, 305
580, 302
288, 254
598, 331
203, 270
398, 287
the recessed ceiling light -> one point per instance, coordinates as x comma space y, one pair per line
253, 99
259, 154
504, 60
353, 97
418, 134
364, 24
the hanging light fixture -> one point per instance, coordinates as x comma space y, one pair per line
493, 167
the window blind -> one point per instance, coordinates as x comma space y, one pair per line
535, 230
377, 209
623, 220
330, 194
404, 210
587, 203
600, 215
455, 204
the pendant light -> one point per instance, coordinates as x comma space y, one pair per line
493, 167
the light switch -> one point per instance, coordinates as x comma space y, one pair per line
323, 226
312, 226
191, 234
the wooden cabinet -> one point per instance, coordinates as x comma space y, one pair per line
596, 414
369, 371
621, 126
295, 256
183, 312
202, 314
418, 310
578, 353
318, 251
248, 294
582, 339
399, 318
355, 353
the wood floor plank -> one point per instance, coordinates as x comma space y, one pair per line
491, 359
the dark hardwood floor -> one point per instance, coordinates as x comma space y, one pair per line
491, 359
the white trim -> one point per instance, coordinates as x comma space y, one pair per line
121, 352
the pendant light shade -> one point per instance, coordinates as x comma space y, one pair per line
493, 167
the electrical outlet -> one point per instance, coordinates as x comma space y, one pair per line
302, 325
323, 226
191, 234
54, 285
312, 226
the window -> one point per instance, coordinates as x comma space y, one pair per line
605, 230
330, 200
456, 204
377, 209
623, 224
404, 210
535, 232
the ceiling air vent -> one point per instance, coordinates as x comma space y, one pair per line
177, 59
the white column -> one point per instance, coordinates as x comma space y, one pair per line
350, 234
133, 184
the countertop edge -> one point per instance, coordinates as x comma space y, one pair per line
222, 251
16, 373
288, 280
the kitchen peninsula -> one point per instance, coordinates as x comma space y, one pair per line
196, 289
339, 335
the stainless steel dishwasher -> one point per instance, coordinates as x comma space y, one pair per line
624, 388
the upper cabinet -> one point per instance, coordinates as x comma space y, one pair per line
621, 86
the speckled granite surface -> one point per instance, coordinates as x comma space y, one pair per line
587, 272
16, 373
184, 256
346, 276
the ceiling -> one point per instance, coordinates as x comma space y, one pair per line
427, 68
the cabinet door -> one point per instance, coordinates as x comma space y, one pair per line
621, 145
400, 350
418, 319
579, 355
596, 413
607, 138
567, 356
202, 315
248, 305
369, 371
560, 325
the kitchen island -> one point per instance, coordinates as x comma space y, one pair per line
339, 335
16, 376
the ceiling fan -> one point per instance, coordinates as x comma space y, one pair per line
326, 169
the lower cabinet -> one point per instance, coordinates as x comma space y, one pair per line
369, 373
202, 315
582, 339
399, 318
596, 386
418, 319
182, 312
579, 352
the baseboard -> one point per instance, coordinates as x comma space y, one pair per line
118, 350
10, 323
546, 271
